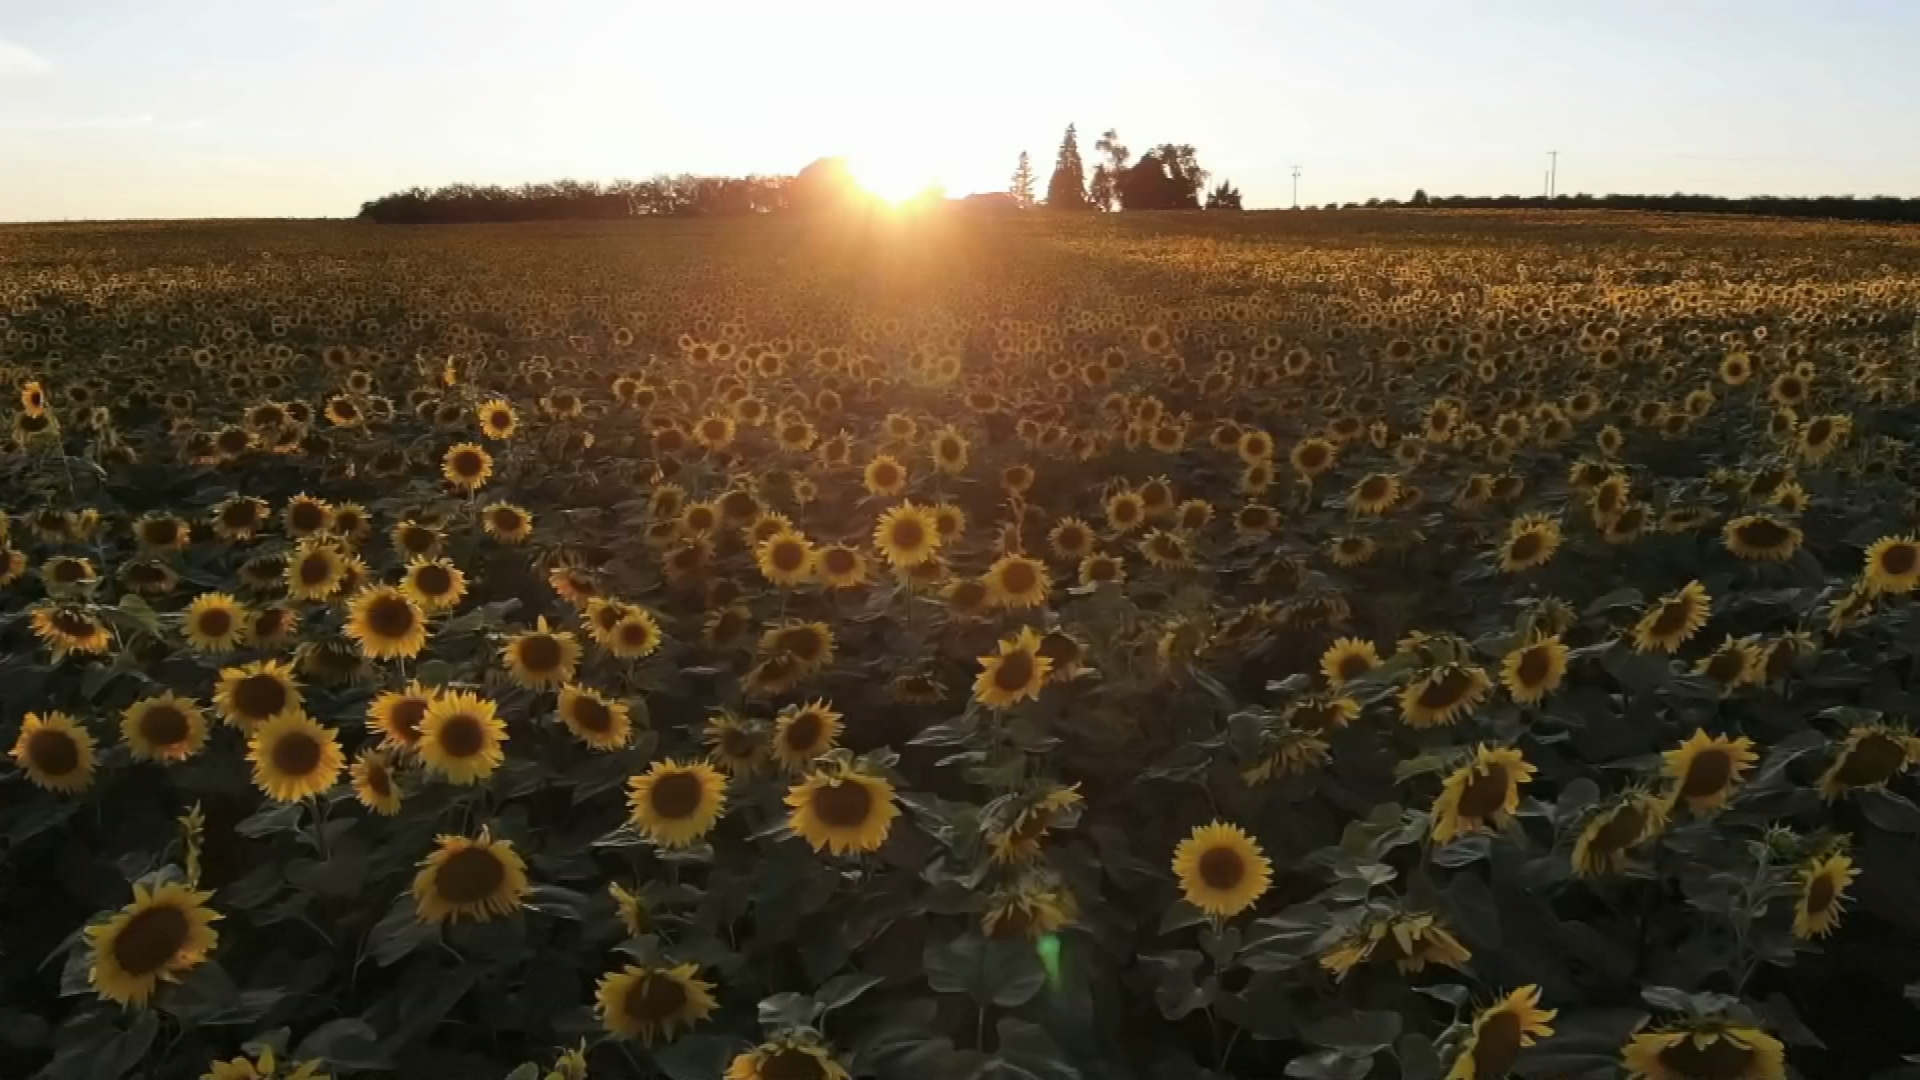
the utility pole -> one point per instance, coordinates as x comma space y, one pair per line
1553, 172
1296, 187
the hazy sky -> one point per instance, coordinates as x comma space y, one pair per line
179, 108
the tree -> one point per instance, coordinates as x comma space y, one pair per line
1103, 190
1067, 190
1021, 188
1168, 177
1419, 197
1224, 197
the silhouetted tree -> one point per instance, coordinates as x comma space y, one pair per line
1419, 197
1103, 189
826, 185
1021, 186
1168, 177
1224, 197
1067, 190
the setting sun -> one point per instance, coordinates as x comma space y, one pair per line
893, 181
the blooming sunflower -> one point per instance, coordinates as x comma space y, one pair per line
595, 719
1221, 869
1070, 539
467, 466
636, 635
542, 657
386, 623
461, 736
1481, 794
1823, 892
786, 558
255, 693
1016, 673
906, 536
1704, 1050
841, 567
1705, 768
1374, 494
1499, 1033
435, 584
1102, 570
1893, 565
480, 879
841, 809
506, 522
1610, 834
1412, 941
1015, 581
1311, 457
374, 784
795, 1055
802, 733
1734, 664
306, 516
885, 476
1869, 757
1674, 618
68, 629
736, 748
163, 728
56, 752
676, 804
294, 756
1761, 538
316, 570
642, 1002
1530, 542
165, 932
1441, 695
1534, 670
497, 419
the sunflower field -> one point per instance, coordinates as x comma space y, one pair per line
1433, 646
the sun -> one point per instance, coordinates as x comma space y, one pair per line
892, 181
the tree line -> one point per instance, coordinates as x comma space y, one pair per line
1884, 208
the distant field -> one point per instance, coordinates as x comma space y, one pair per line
1327, 644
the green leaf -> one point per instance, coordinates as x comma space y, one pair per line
697, 1057
1889, 810
842, 990
1359, 1032
399, 933
346, 1043
1003, 973
559, 902
789, 1010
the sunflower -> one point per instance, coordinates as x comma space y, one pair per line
466, 466
636, 635
594, 719
1070, 539
497, 419
1441, 695
541, 658
1015, 581
1374, 494
506, 522
1704, 1050
1412, 941
374, 784
803, 733
676, 804
67, 573
1674, 618
1734, 664
1481, 794
1534, 670
387, 623
1311, 457
13, 565
1609, 835
436, 585
306, 516
163, 728
56, 752
809, 645
1893, 565
1126, 511
1102, 570
842, 809
1856, 605
840, 566
1823, 894
1761, 537
315, 571
161, 533
1221, 870
461, 736
1869, 757
1351, 551
1166, 550
786, 558
641, 1002
885, 476
396, 715
480, 879
1013, 675
294, 756
1531, 541
1705, 768
251, 695
166, 931
1499, 1033
795, 1055
907, 536
736, 748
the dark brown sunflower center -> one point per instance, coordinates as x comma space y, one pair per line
885, 475
1486, 793
1673, 618
1719, 1059
1071, 540
635, 634
1525, 547
907, 534
68, 571
239, 515
788, 556
296, 753
1874, 759
1765, 533
506, 521
1222, 868
469, 876
163, 725
1621, 831
676, 795
804, 733
462, 735
1015, 671
839, 561
467, 464
53, 752
391, 616
316, 569
592, 714
1126, 510
845, 805
1374, 488
1496, 1043
1726, 666
803, 643
1819, 432
1899, 560
231, 440
1312, 457
307, 517
151, 939
1450, 688
259, 696
214, 622
160, 533
654, 998
1101, 570
1820, 894
539, 653
968, 595
379, 780
1708, 773
404, 718
74, 624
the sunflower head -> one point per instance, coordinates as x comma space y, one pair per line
1221, 869
165, 932
56, 752
642, 1002
841, 808
675, 804
462, 878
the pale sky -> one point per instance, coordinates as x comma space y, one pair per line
229, 108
